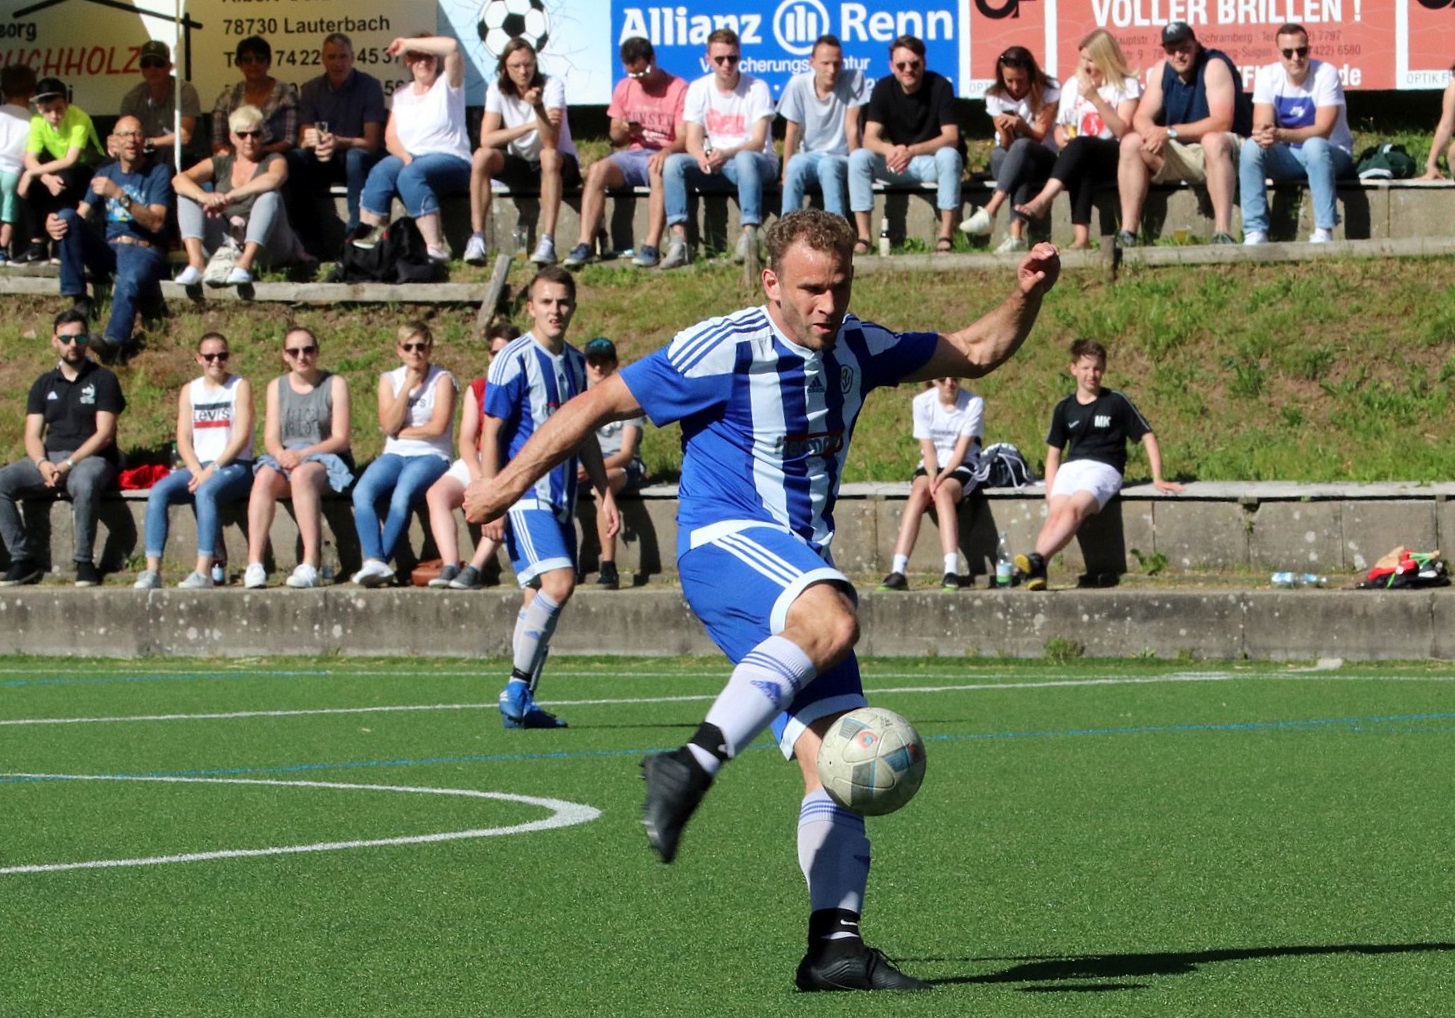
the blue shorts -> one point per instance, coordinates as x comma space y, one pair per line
741, 586
538, 542
633, 165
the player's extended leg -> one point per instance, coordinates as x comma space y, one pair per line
543, 552
1064, 516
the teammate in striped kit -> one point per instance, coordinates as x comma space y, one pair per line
767, 399
529, 381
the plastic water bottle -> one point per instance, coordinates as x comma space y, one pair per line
219, 575
329, 569
1002, 562
884, 245
1289, 580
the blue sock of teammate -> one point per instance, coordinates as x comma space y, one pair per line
533, 629
764, 683
833, 852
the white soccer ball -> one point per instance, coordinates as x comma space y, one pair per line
871, 761
503, 20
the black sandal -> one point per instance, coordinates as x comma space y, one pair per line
944, 245
862, 246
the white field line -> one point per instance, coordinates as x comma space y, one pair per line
563, 814
1185, 677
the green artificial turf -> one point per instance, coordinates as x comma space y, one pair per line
1093, 838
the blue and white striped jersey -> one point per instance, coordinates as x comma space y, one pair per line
766, 423
527, 384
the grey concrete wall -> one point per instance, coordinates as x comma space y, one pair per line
1221, 625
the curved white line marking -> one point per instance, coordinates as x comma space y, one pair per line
563, 814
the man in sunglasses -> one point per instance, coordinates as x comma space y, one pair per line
70, 451
646, 127
154, 103
729, 116
133, 195
911, 136
1300, 132
1188, 126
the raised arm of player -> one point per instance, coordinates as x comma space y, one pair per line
994, 338
488, 499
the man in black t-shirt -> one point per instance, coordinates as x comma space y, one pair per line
70, 449
910, 137
1094, 425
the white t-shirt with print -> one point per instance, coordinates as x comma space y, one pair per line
995, 105
1077, 112
728, 118
1298, 105
516, 112
943, 425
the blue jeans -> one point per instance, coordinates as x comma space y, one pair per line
404, 479
830, 172
942, 169
418, 185
744, 173
1320, 163
84, 486
231, 483
138, 272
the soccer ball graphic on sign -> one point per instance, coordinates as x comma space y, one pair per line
872, 761
503, 20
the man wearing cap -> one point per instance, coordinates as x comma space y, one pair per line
133, 194
1188, 126
1300, 132
70, 451
342, 115
59, 156
621, 455
154, 104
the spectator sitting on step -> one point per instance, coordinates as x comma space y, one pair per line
1022, 104
70, 451
525, 143
417, 416
215, 442
1444, 142
17, 83
61, 153
242, 217
646, 127
154, 104
729, 147
134, 194
911, 136
821, 107
342, 136
448, 493
306, 443
278, 100
949, 424
621, 455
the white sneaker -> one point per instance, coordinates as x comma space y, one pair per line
437, 254
256, 577
746, 240
676, 255
979, 224
190, 276
303, 577
239, 277
475, 250
1012, 245
1321, 236
373, 574
545, 252
1254, 237
196, 581
148, 579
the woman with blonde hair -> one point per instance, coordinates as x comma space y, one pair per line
1095, 112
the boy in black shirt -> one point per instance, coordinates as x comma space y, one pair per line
1094, 424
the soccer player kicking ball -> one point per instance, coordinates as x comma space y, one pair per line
1094, 424
767, 398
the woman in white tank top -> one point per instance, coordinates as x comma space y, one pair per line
416, 413
215, 445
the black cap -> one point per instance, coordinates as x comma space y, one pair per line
1175, 33
155, 48
50, 88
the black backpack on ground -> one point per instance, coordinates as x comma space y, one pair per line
1003, 466
399, 256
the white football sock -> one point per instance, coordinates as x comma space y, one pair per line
833, 852
762, 685
533, 629
900, 564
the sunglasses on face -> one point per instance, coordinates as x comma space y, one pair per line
299, 351
1297, 51
908, 65
730, 58
210, 357
249, 134
414, 347
79, 339
152, 63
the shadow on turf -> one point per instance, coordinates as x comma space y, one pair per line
1070, 970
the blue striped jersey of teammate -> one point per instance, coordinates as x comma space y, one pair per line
766, 422
527, 384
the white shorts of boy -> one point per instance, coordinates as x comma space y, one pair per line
1101, 480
